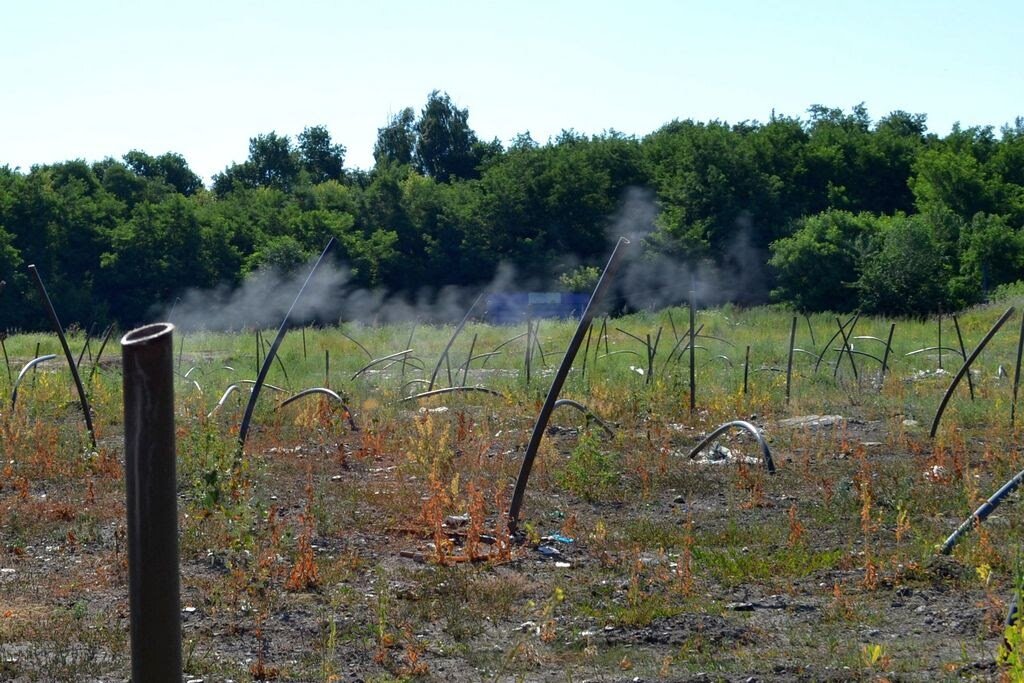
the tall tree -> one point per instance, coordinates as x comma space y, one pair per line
444, 142
319, 156
397, 140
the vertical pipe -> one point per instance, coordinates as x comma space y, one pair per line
448, 346
885, 357
746, 369
789, 362
1016, 372
151, 488
327, 368
86, 411
304, 356
556, 384
940, 339
7, 361
693, 335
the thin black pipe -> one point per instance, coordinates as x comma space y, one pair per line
831, 339
1016, 372
356, 342
99, 354
448, 346
152, 504
940, 339
327, 392
982, 513
83, 399
966, 367
789, 362
810, 329
469, 359
766, 455
693, 362
586, 411
85, 347
586, 351
28, 366
376, 361
963, 353
746, 369
602, 287
7, 361
846, 347
888, 348
243, 430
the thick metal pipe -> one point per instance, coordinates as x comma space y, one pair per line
151, 485
789, 362
603, 284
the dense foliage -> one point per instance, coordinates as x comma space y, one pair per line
835, 212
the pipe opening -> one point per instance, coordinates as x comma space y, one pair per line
146, 334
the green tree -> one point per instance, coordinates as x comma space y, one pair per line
396, 141
319, 156
444, 140
817, 266
906, 274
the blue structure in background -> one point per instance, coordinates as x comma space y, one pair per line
516, 307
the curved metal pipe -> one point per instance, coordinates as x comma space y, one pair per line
380, 360
72, 366
243, 430
265, 385
28, 366
227, 392
766, 455
934, 348
603, 284
982, 512
326, 392
586, 411
966, 366
448, 390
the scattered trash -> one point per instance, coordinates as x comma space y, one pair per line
639, 371
439, 409
549, 551
935, 473
563, 565
557, 538
910, 422
812, 421
456, 521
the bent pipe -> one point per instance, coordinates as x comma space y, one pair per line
934, 348
824, 350
28, 366
152, 504
586, 411
82, 398
243, 430
448, 390
966, 366
603, 285
448, 346
376, 361
982, 513
227, 392
766, 455
327, 392
265, 385
963, 354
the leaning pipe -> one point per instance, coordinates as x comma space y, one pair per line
243, 430
152, 504
982, 513
556, 384
766, 455
82, 398
966, 367
587, 412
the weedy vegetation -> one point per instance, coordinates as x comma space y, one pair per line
382, 551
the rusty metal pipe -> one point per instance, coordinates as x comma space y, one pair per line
560, 375
152, 504
86, 411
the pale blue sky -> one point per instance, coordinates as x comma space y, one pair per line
96, 78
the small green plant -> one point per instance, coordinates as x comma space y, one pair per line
591, 472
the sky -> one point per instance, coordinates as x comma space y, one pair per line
97, 79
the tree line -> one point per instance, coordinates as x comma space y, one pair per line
839, 211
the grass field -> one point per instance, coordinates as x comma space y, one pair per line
382, 553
